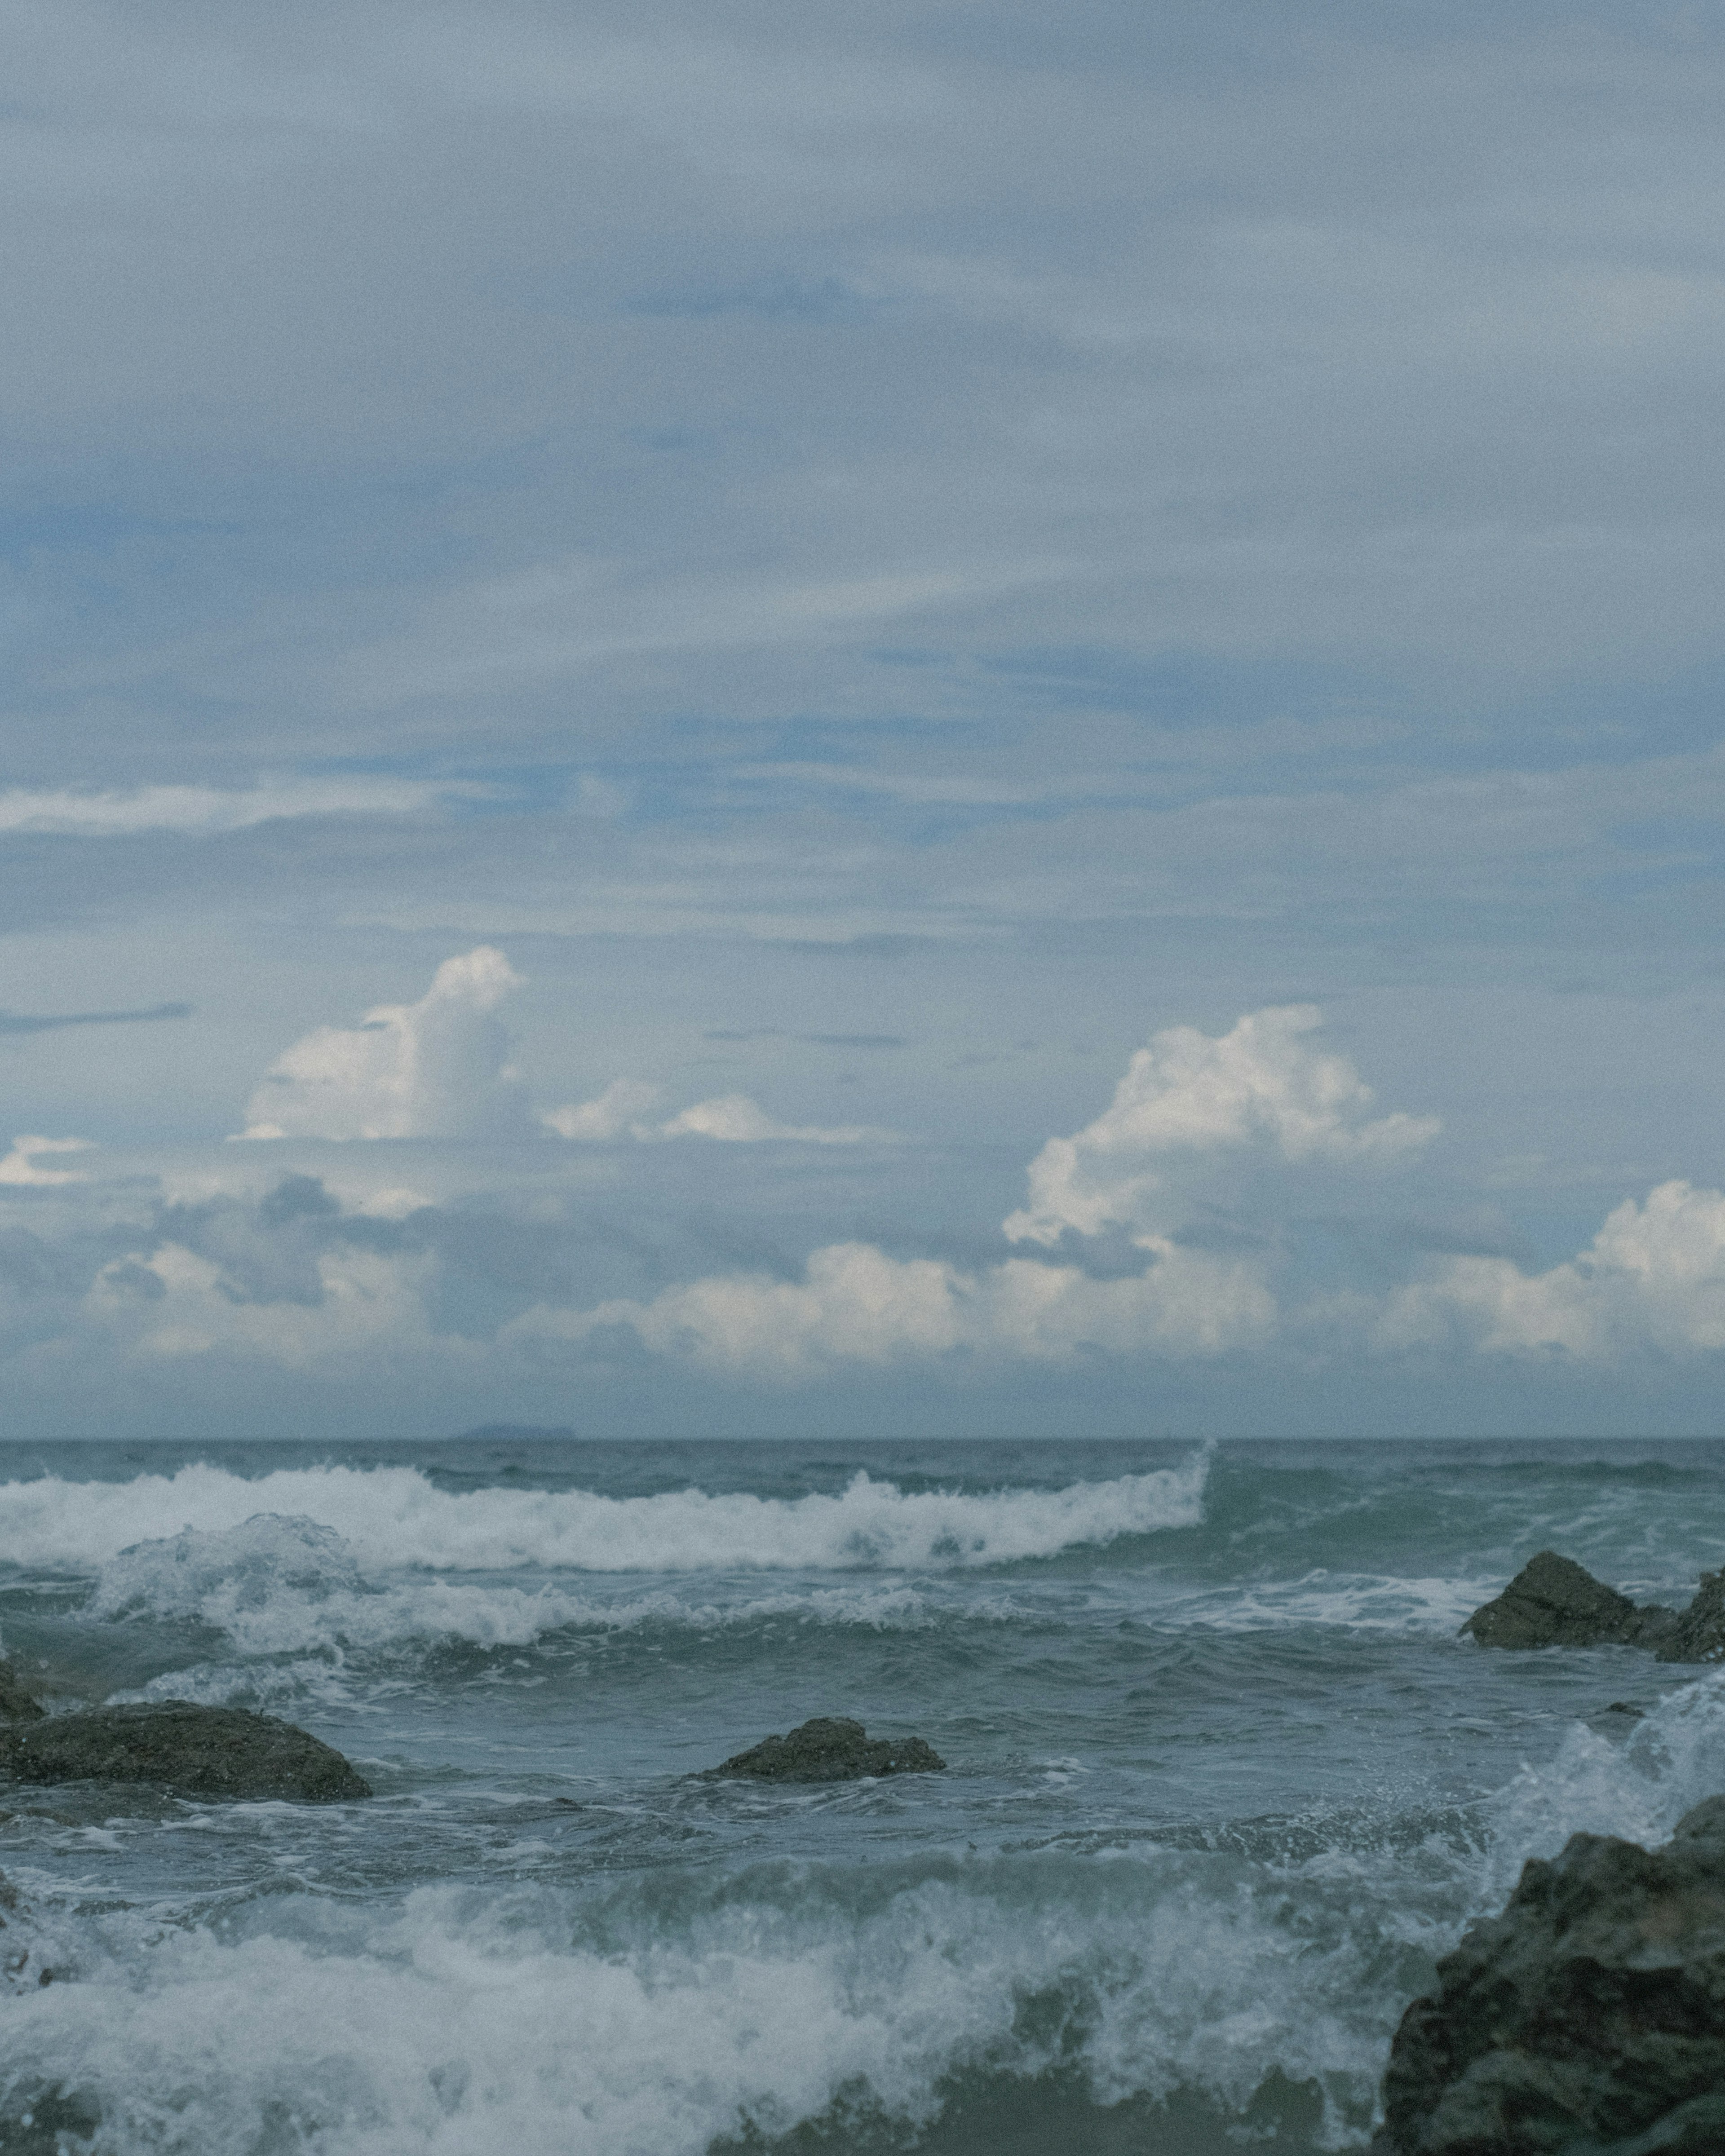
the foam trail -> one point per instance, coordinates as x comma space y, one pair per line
394, 1516
1358, 1602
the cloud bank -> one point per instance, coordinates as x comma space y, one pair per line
1262, 1088
1123, 1256
1653, 1277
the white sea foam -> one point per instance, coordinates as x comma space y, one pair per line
393, 1516
1637, 1787
473, 2023
289, 1587
1361, 1602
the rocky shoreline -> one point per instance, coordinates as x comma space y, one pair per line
1586, 2019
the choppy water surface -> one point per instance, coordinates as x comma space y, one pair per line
1223, 1783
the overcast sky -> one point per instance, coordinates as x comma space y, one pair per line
944, 716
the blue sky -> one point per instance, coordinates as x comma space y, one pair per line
679, 640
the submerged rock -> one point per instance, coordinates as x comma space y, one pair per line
1587, 2019
1554, 1602
191, 1751
831, 1749
16, 1704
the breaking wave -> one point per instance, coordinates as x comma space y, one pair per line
276, 1586
539, 2023
396, 1517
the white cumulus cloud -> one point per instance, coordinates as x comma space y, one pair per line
1262, 1085
1654, 1277
437, 1068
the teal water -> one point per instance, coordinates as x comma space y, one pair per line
1222, 1783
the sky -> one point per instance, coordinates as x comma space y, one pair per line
945, 718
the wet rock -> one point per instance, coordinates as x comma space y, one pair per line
1700, 1633
191, 1751
1587, 2019
16, 1704
831, 1749
1554, 1602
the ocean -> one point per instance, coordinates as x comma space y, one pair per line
1222, 1784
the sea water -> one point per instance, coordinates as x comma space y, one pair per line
1222, 1783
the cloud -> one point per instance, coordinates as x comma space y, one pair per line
437, 1068
19, 1166
616, 1113
205, 809
1653, 1277
856, 1304
735, 1120
175, 1304
732, 1118
30, 1022
1260, 1085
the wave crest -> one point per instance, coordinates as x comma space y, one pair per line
396, 1517
480, 2023
289, 1587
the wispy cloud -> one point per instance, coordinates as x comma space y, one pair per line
813, 1040
210, 808
51, 1021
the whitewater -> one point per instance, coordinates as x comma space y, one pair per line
1222, 1783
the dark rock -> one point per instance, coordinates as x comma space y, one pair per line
192, 1751
16, 1704
1699, 1635
1587, 2019
831, 1749
1554, 1602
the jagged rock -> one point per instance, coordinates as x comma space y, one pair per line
831, 1749
16, 1704
1554, 1602
192, 1751
1700, 1633
1587, 2019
